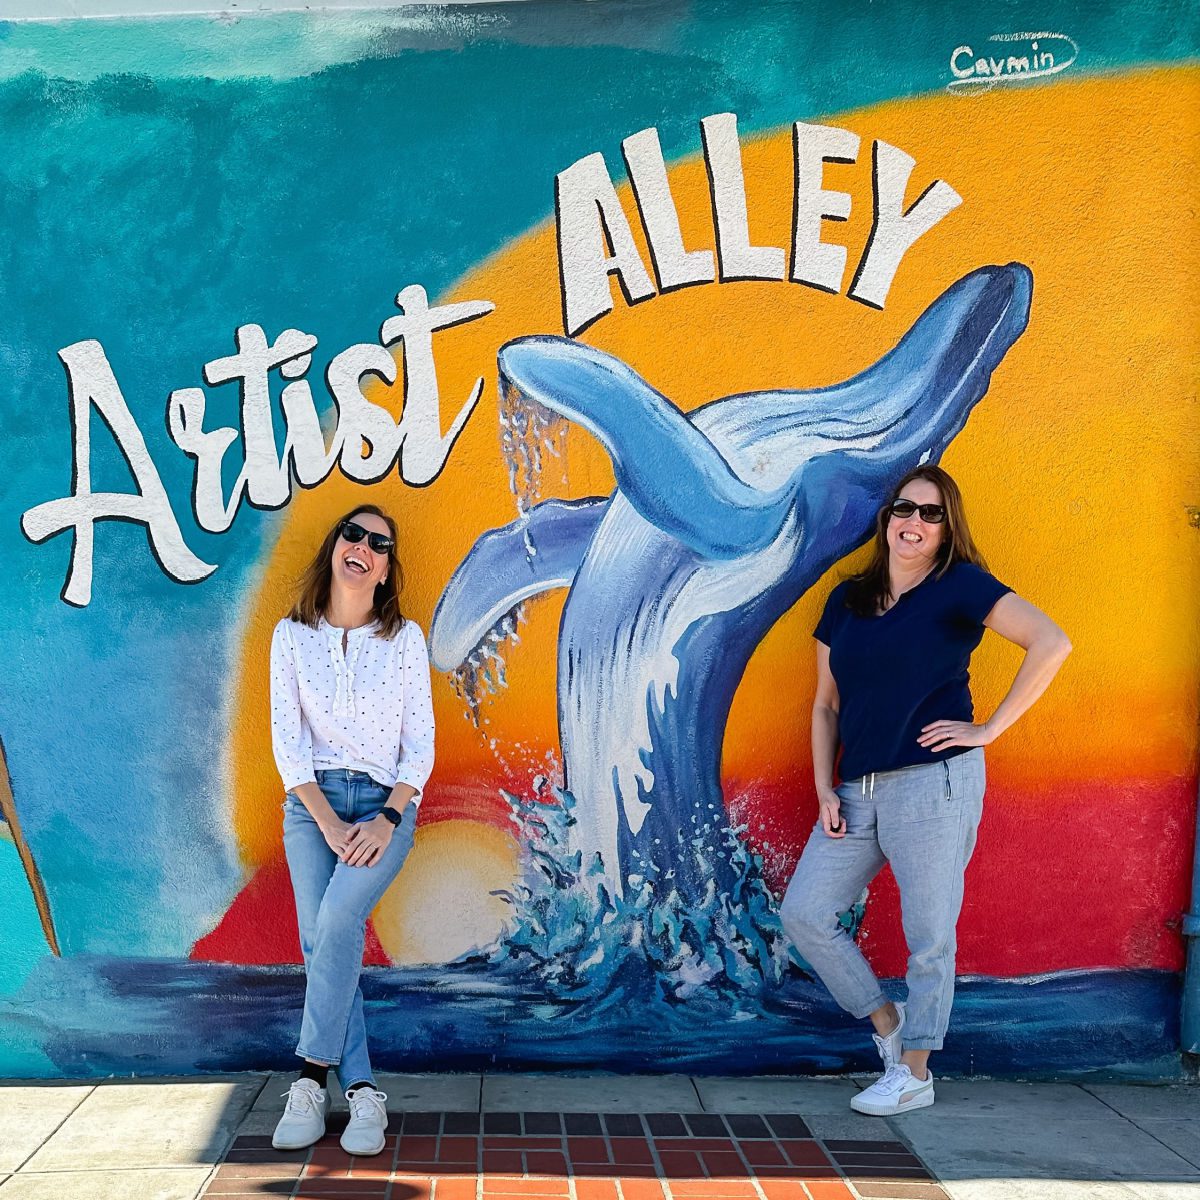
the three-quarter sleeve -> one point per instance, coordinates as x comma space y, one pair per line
291, 739
416, 726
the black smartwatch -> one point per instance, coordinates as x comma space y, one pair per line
391, 814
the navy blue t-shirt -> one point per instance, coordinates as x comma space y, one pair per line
898, 671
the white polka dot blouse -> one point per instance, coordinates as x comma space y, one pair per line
368, 708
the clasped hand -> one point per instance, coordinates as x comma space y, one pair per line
360, 844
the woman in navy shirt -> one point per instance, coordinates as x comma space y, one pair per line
893, 692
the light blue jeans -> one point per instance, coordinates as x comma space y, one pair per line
333, 902
922, 821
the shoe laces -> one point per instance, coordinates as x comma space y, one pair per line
883, 1043
883, 1040
301, 1100
367, 1104
894, 1078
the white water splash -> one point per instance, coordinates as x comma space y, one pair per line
481, 674
530, 435
582, 940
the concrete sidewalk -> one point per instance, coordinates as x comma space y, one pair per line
159, 1139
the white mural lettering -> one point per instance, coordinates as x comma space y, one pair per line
814, 262
736, 257
91, 383
596, 240
674, 266
367, 442
425, 447
895, 228
590, 222
264, 479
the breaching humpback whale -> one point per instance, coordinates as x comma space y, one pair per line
721, 519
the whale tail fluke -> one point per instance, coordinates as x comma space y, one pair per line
534, 554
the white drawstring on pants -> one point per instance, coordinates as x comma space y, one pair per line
868, 784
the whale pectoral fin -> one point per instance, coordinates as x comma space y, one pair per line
535, 554
665, 467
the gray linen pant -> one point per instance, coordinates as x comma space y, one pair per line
921, 820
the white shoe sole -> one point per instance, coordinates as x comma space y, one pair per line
891, 1110
922, 1100
278, 1144
368, 1152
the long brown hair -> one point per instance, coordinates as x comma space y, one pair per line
313, 586
870, 591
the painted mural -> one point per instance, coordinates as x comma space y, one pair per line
631, 314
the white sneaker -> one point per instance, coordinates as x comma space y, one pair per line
895, 1092
368, 1122
890, 1047
303, 1120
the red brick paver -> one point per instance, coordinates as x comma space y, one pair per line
514, 1156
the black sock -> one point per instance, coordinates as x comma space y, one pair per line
361, 1083
315, 1071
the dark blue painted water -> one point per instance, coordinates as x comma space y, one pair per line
96, 1016
584, 980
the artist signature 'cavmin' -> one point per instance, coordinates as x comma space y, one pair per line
1013, 57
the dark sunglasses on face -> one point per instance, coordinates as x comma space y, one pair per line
379, 542
931, 514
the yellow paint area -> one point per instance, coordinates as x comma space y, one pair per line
441, 905
1077, 467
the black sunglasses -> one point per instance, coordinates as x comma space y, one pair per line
931, 514
379, 542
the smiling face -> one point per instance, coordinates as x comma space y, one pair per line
913, 543
355, 565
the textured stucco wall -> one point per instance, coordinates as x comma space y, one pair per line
169, 182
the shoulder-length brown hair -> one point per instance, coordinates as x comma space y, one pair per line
314, 584
870, 591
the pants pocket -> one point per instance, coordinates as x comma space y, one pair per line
970, 776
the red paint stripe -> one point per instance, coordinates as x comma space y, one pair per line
1088, 875
259, 927
1091, 874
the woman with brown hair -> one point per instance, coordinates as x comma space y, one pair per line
893, 693
352, 732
